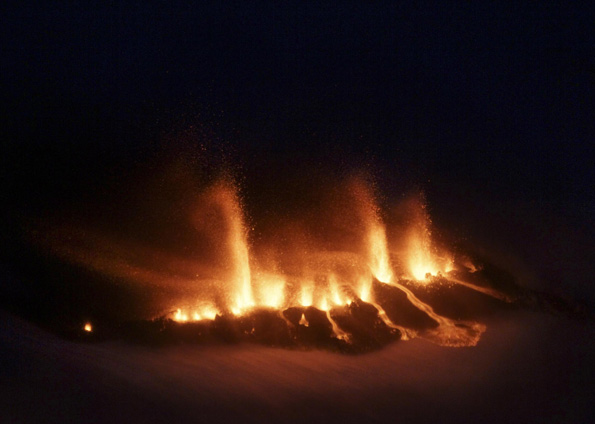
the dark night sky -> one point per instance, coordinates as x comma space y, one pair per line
476, 100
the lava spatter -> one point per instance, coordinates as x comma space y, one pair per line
342, 288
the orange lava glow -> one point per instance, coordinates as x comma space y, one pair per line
379, 260
88, 327
422, 258
323, 289
199, 313
226, 197
327, 261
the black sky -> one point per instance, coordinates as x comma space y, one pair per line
488, 99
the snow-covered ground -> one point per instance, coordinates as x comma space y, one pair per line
528, 367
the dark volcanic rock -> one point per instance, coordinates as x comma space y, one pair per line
318, 331
367, 331
266, 326
226, 328
294, 315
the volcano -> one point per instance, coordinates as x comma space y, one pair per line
335, 277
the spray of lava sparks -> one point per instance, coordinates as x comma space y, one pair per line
313, 272
226, 198
422, 258
323, 288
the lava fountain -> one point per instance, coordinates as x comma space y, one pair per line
422, 259
225, 198
334, 283
320, 289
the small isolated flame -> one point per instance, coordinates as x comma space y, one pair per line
304, 321
88, 327
180, 316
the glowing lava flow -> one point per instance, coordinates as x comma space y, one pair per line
379, 261
485, 290
423, 263
406, 333
449, 333
340, 334
379, 264
333, 253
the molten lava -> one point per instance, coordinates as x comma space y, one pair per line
421, 255
323, 289
335, 277
226, 199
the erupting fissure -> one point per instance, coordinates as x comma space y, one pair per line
323, 291
336, 265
